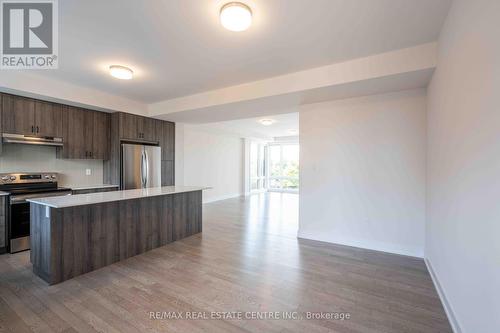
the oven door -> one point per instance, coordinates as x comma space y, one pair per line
19, 228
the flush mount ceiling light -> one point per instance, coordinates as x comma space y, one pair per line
235, 16
121, 72
267, 122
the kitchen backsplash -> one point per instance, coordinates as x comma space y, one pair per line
26, 158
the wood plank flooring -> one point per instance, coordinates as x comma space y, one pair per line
247, 259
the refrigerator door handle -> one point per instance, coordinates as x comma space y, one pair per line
143, 170
146, 158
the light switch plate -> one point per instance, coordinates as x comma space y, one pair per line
88, 172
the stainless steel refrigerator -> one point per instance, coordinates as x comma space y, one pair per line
140, 166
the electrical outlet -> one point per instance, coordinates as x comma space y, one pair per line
88, 172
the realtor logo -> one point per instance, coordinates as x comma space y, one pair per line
29, 34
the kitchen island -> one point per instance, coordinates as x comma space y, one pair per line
76, 234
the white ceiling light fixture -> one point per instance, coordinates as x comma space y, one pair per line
235, 16
293, 131
267, 122
121, 72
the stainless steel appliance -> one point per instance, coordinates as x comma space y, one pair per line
32, 140
140, 166
22, 186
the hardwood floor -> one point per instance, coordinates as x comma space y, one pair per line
246, 260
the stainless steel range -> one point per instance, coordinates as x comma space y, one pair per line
22, 186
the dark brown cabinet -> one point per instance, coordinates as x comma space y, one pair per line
137, 128
48, 119
1, 127
86, 134
100, 135
76, 130
31, 117
18, 115
3, 223
96, 190
127, 127
165, 135
146, 127
167, 173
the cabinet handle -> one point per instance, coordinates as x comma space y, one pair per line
32, 129
37, 129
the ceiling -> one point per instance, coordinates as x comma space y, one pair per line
289, 103
177, 47
252, 128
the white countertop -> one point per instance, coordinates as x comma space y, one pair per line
91, 187
96, 198
3, 193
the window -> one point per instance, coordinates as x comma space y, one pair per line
284, 167
258, 181
274, 167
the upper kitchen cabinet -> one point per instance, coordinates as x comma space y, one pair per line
146, 127
18, 115
128, 126
26, 116
165, 135
137, 128
76, 128
100, 135
86, 134
48, 119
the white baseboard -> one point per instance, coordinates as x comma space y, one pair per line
222, 197
375, 246
447, 306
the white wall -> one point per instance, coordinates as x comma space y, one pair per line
463, 224
362, 172
26, 158
215, 160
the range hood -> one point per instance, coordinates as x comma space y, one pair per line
32, 140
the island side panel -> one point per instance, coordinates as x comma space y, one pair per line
41, 235
85, 238
187, 214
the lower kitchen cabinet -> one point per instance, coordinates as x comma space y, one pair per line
95, 190
3, 224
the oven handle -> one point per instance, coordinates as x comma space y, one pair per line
20, 199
